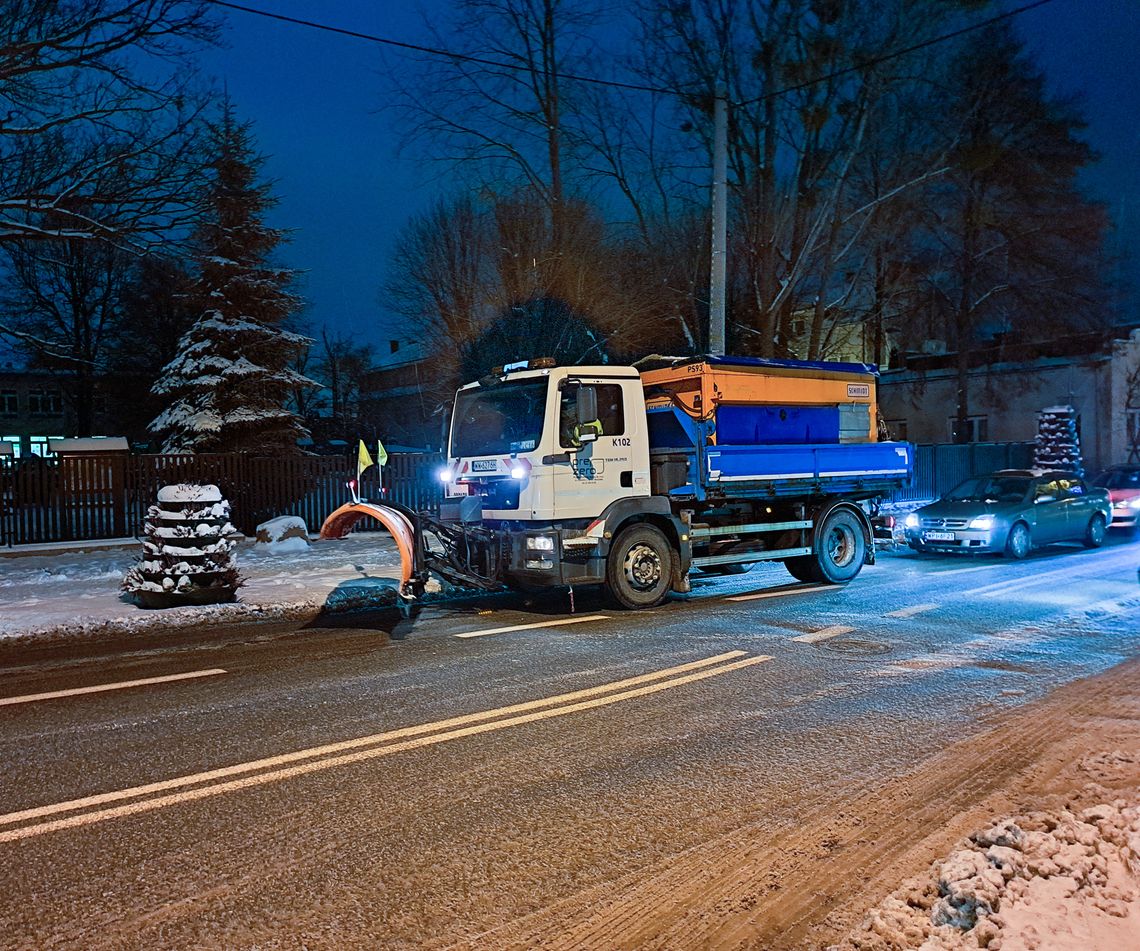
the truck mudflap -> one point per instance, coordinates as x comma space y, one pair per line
340, 522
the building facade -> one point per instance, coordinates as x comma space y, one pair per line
32, 411
1005, 397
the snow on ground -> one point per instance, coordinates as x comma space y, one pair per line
1058, 880
76, 593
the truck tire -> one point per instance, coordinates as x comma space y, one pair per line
639, 570
730, 569
840, 548
801, 568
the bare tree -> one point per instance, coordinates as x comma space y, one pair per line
63, 301
93, 91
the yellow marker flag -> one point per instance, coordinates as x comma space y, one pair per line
363, 460
381, 454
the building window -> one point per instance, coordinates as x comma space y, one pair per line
896, 429
977, 429
9, 404
14, 441
39, 445
45, 403
393, 346
1133, 435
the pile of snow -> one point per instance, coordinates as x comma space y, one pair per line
1053, 881
77, 593
287, 534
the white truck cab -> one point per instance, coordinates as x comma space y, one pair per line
521, 443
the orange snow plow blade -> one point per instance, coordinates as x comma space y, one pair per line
341, 521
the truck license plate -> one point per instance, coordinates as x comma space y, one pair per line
484, 465
940, 536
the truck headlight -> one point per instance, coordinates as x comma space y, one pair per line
540, 543
444, 475
982, 522
911, 521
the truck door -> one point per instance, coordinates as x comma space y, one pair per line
596, 472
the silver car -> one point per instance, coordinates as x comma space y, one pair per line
1011, 512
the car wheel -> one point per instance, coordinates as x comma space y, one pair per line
1019, 542
1094, 534
639, 570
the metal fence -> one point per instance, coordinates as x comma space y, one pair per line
937, 469
89, 497
84, 498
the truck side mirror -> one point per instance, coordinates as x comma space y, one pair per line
587, 405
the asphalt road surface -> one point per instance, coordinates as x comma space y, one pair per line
514, 774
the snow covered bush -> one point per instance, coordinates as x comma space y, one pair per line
186, 557
1058, 442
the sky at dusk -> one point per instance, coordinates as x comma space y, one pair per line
317, 99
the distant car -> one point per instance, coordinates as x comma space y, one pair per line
1011, 512
1123, 484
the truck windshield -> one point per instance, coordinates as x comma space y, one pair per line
502, 419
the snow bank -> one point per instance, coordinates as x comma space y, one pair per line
1051, 881
77, 594
285, 535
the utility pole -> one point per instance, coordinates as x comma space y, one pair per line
719, 222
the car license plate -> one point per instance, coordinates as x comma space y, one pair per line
940, 536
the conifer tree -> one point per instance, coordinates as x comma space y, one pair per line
230, 382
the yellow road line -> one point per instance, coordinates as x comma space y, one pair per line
331, 748
102, 688
527, 627
911, 611
779, 593
827, 632
261, 779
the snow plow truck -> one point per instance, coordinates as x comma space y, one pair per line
632, 477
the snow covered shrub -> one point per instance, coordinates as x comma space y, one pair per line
186, 557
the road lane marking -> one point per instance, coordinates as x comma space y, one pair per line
102, 688
343, 745
780, 592
828, 632
963, 571
246, 782
911, 611
528, 627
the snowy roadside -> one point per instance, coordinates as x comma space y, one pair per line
1061, 879
48, 598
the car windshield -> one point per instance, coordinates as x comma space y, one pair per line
1119, 479
499, 419
990, 489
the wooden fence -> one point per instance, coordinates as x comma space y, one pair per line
83, 498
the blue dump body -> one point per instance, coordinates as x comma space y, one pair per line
772, 452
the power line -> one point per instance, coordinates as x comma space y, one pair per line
617, 84
431, 50
876, 60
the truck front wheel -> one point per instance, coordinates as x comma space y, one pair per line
840, 548
639, 570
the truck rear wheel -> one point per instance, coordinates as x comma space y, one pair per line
639, 570
840, 548
802, 568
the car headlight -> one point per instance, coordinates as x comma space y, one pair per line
1134, 503
982, 522
540, 543
911, 521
